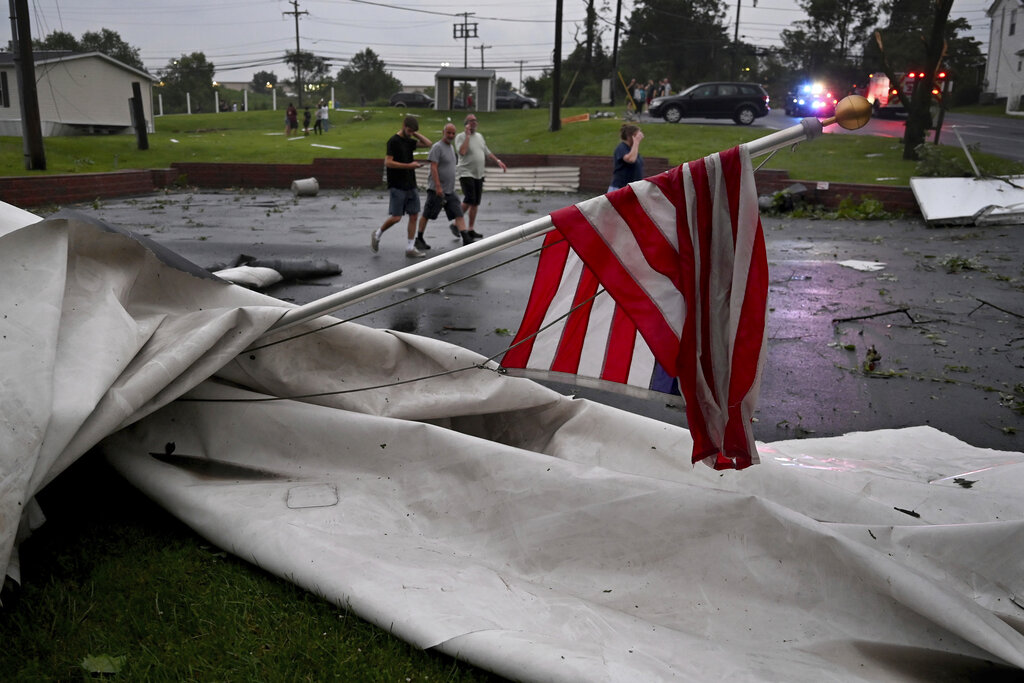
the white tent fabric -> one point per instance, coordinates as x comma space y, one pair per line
537, 536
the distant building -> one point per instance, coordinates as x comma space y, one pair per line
1004, 73
78, 94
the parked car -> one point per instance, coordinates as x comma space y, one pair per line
510, 99
411, 99
741, 102
811, 99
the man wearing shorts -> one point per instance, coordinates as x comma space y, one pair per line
441, 189
401, 176
473, 155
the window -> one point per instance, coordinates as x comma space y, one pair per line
1013, 22
727, 90
5, 93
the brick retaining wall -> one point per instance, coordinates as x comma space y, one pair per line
29, 191
335, 173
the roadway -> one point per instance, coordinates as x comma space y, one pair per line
999, 136
951, 338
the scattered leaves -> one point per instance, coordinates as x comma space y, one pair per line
103, 664
871, 358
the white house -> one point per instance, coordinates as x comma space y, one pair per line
78, 94
1004, 73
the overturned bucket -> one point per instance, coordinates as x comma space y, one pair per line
305, 187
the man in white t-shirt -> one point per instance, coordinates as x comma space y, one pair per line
473, 154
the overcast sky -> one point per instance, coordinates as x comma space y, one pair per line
413, 37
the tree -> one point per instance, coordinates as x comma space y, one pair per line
106, 41
190, 74
903, 40
684, 40
366, 79
313, 73
822, 44
261, 79
58, 40
918, 113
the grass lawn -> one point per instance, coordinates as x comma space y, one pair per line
111, 580
258, 136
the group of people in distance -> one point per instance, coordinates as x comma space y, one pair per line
463, 156
640, 94
291, 119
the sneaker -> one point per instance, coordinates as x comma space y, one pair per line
467, 238
421, 243
414, 253
454, 229
476, 235
374, 242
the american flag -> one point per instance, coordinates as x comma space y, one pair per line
660, 286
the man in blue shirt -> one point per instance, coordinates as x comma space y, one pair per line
627, 164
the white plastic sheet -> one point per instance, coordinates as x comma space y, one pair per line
540, 537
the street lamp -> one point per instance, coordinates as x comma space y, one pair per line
273, 94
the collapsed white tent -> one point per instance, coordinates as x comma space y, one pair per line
537, 536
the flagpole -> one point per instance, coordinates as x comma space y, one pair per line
850, 116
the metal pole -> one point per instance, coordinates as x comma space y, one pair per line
556, 74
963, 145
807, 129
736, 41
615, 50
25, 71
298, 64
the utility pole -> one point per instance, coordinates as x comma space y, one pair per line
520, 62
556, 74
481, 48
736, 41
615, 53
465, 30
25, 70
298, 58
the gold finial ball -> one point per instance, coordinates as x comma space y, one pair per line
853, 112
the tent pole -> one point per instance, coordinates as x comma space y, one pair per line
807, 129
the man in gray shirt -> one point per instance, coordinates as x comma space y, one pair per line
441, 188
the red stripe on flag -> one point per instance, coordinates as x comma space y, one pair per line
658, 334
545, 286
619, 354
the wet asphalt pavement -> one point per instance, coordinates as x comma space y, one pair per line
945, 315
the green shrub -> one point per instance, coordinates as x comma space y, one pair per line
938, 162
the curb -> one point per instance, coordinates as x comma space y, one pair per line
335, 173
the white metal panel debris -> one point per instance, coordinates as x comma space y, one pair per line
970, 201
